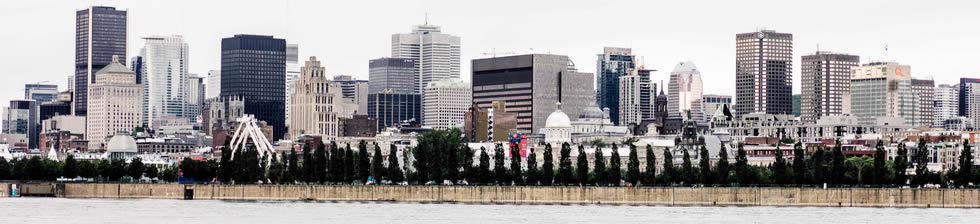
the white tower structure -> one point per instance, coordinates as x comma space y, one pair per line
437, 53
165, 78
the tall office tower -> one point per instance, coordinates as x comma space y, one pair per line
684, 92
610, 65
390, 108
396, 74
71, 82
969, 97
530, 85
41, 92
647, 93
923, 89
712, 103
115, 103
136, 64
946, 104
629, 99
195, 97
253, 68
21, 117
763, 73
100, 33
883, 90
437, 53
214, 84
165, 78
313, 103
58, 106
825, 82
292, 74
445, 102
354, 90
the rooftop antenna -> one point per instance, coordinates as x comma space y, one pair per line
427, 18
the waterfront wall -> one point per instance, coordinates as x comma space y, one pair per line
671, 196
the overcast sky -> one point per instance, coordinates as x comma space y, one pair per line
939, 39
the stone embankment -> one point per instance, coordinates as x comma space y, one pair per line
669, 196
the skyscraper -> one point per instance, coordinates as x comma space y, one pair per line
629, 99
194, 102
826, 79
115, 102
883, 90
165, 78
100, 33
253, 68
923, 89
684, 92
313, 104
647, 93
214, 84
292, 74
396, 74
445, 102
390, 108
763, 73
946, 104
355, 91
969, 97
437, 53
21, 117
530, 85
610, 65
41, 92
136, 64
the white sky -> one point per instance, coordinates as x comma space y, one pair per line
939, 39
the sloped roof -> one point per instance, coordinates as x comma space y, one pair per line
115, 67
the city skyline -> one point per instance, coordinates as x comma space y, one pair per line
707, 43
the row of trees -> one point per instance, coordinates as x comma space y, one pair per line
42, 169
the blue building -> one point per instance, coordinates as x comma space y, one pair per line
391, 108
611, 64
253, 68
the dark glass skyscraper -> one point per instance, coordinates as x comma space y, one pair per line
254, 68
100, 33
390, 108
612, 63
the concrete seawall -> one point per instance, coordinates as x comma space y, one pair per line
671, 196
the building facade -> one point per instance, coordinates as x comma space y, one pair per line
194, 103
312, 104
946, 104
825, 81
437, 54
21, 118
711, 103
115, 104
881, 90
41, 92
445, 102
253, 67
354, 90
613, 63
213, 85
629, 99
684, 92
924, 90
100, 34
165, 77
530, 85
397, 74
763, 73
391, 108
969, 97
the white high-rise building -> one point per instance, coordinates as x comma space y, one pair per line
629, 99
946, 103
165, 78
445, 103
195, 97
115, 104
214, 84
437, 53
292, 74
883, 90
684, 92
314, 103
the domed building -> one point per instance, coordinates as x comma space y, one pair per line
557, 128
121, 147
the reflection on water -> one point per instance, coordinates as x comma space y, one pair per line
60, 210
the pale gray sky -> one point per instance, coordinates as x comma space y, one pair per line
938, 39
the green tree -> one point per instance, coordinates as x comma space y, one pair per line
350, 163
394, 172
615, 167
965, 174
275, 169
499, 171
548, 168
633, 167
86, 169
469, 170
922, 163
226, 167
687, 169
819, 166
319, 163
532, 168
515, 164
565, 165
170, 174
484, 170
70, 170
722, 168
650, 176
837, 165
799, 166
668, 174
582, 165
152, 172
292, 170
363, 162
136, 168
779, 174
117, 168
705, 166
599, 172
377, 164
5, 168
309, 165
335, 163
879, 163
742, 175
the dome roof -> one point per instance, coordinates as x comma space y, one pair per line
558, 119
121, 143
591, 112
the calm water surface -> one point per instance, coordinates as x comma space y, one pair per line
60, 210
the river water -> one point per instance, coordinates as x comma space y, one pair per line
61, 210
